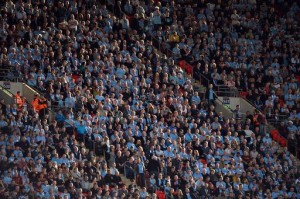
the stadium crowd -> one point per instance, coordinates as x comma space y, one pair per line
123, 107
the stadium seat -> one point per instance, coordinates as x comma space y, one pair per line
282, 141
161, 195
75, 77
181, 64
243, 94
281, 102
274, 132
188, 69
276, 137
203, 161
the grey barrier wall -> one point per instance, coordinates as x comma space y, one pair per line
6, 95
24, 89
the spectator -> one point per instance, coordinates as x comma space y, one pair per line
113, 88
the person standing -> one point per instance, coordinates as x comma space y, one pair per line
211, 95
141, 172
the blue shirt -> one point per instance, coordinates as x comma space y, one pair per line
184, 155
57, 160
130, 144
156, 19
141, 167
173, 136
211, 94
17, 152
152, 182
169, 154
275, 194
197, 176
3, 123
188, 137
245, 187
46, 188
68, 123
70, 102
81, 129
181, 81
196, 99
60, 117
219, 183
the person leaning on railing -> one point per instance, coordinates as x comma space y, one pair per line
211, 95
39, 103
129, 168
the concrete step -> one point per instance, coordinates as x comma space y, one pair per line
127, 181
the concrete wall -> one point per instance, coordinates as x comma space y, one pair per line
24, 89
224, 109
233, 101
14, 87
7, 96
244, 105
28, 92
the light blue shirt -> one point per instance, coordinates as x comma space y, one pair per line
70, 102
130, 144
220, 183
196, 99
152, 182
141, 167
81, 129
169, 154
188, 137
211, 94
197, 176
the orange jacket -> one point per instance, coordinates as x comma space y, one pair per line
21, 104
19, 99
42, 106
35, 104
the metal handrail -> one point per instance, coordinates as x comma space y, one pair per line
13, 96
272, 122
135, 173
203, 76
225, 91
294, 145
168, 51
130, 168
231, 110
224, 104
48, 108
236, 93
13, 78
284, 117
157, 44
281, 118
